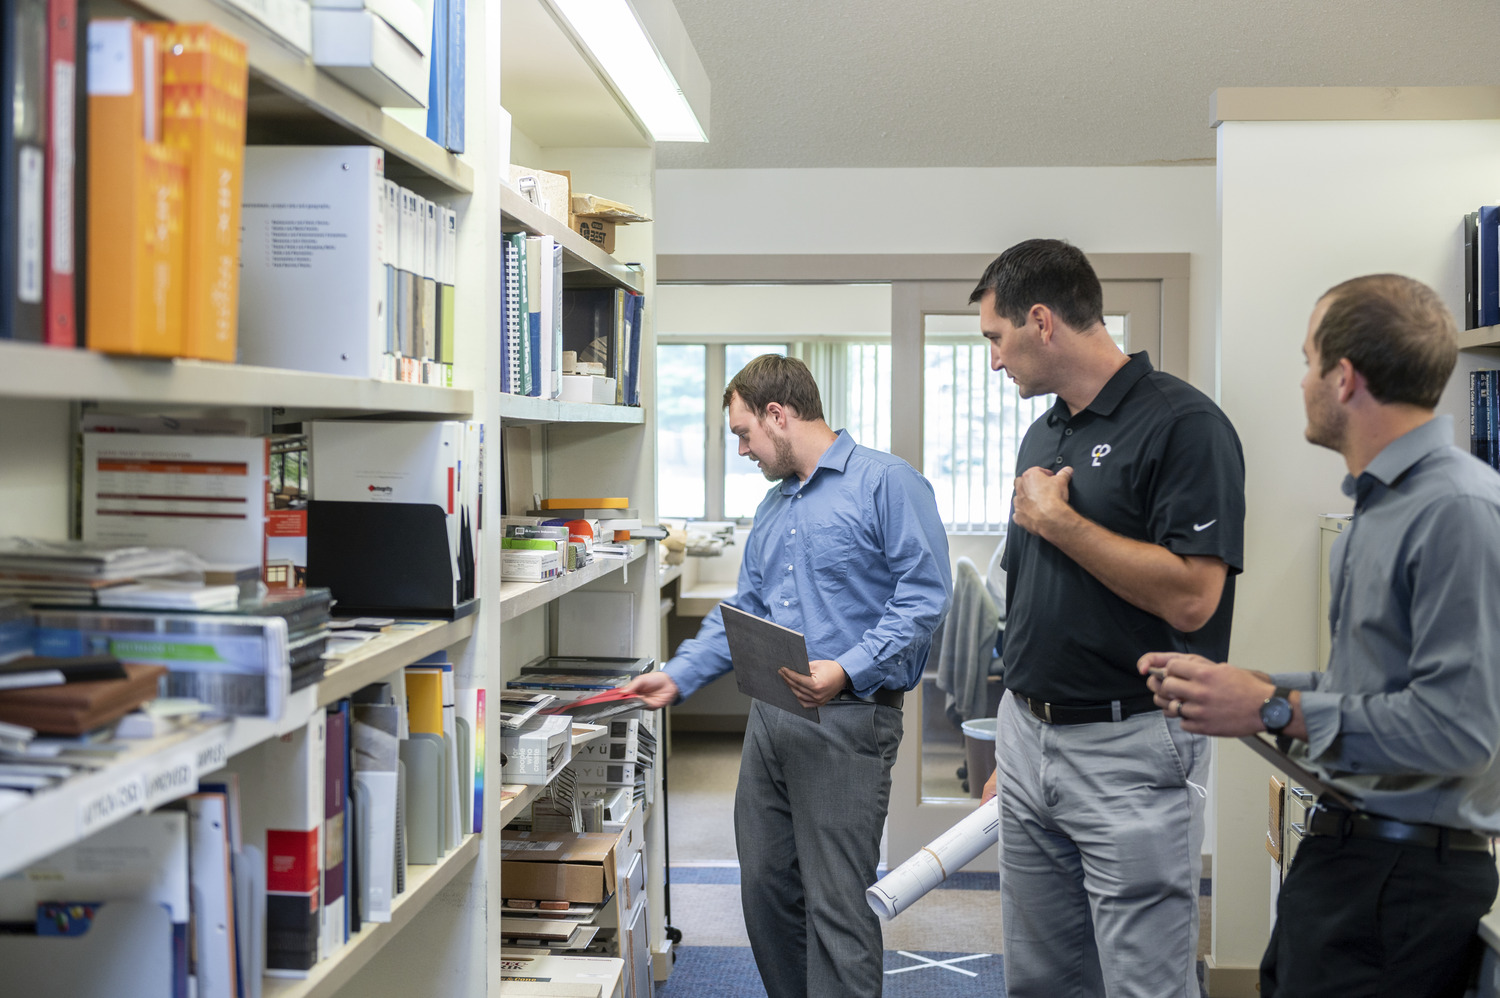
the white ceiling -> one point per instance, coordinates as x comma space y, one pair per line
886, 83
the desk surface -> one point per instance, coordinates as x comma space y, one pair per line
700, 600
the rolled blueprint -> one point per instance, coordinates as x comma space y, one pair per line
935, 862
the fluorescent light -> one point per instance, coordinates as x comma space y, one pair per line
619, 44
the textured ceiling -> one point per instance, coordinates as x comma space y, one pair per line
884, 83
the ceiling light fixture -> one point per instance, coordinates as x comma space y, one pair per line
618, 42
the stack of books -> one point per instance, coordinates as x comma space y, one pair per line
15, 630
242, 660
75, 573
609, 520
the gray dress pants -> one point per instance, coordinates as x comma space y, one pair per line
808, 814
1101, 838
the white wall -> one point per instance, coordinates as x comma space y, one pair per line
1305, 205
1100, 209
35, 457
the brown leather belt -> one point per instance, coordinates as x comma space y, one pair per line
1339, 823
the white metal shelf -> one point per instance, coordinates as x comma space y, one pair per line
293, 74
422, 885
1484, 336
383, 655
526, 409
525, 793
578, 253
517, 598
29, 370
156, 771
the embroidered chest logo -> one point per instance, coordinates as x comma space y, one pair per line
1101, 450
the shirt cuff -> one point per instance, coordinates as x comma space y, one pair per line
688, 682
859, 666
1296, 680
1321, 714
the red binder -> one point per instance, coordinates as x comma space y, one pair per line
59, 317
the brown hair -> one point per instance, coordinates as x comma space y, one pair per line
1395, 331
774, 378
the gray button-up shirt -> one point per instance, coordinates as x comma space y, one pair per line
1407, 717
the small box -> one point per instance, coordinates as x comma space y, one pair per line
548, 191
577, 867
557, 975
529, 566
597, 231
596, 772
537, 751
588, 388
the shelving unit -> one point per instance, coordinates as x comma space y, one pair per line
580, 449
288, 94
1484, 336
383, 655
157, 771
524, 409
423, 884
517, 598
30, 371
588, 263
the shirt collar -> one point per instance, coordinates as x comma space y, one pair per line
1113, 392
835, 458
1398, 456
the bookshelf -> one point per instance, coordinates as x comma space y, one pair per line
29, 371
424, 884
289, 94
516, 409
90, 802
439, 930
1483, 337
517, 598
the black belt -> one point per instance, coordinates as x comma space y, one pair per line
1335, 821
883, 697
1117, 710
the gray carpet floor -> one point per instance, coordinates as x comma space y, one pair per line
960, 919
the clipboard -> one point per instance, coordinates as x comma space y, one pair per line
758, 648
1304, 777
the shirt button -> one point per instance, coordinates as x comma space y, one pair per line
1059, 459
794, 530
1067, 433
786, 602
789, 568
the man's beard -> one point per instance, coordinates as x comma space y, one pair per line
785, 463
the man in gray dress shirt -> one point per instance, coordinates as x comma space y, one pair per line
1406, 719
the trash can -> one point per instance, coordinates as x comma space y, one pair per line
979, 747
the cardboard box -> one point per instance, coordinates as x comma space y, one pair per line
577, 867
597, 231
549, 191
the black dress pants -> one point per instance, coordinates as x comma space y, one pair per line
1361, 918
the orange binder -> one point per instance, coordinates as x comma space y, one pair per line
204, 80
137, 195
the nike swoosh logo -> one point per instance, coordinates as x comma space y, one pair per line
1205, 526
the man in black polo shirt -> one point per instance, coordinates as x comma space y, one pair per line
1126, 533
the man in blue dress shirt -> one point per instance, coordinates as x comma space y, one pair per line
1384, 899
847, 548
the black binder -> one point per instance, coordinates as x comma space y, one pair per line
387, 559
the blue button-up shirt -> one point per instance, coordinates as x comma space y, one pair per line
1407, 717
856, 558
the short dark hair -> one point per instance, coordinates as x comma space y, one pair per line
1395, 331
1043, 272
774, 378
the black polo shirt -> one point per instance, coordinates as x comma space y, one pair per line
1153, 460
